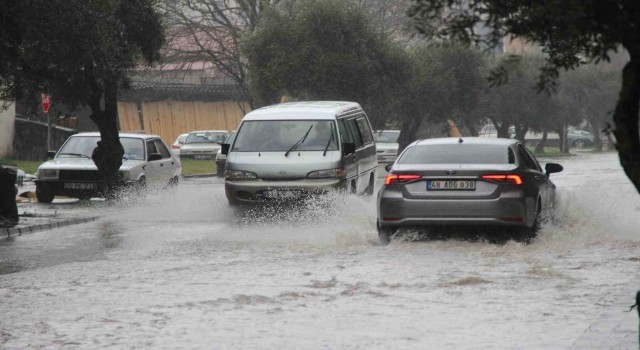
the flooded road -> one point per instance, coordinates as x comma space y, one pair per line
183, 270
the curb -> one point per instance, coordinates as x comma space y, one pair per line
43, 227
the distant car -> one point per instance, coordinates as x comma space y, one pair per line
72, 172
203, 144
221, 159
466, 181
579, 138
177, 144
386, 145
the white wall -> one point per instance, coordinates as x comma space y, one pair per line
7, 128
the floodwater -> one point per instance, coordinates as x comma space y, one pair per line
183, 270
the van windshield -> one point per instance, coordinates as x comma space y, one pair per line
281, 135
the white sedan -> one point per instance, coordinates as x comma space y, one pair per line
72, 173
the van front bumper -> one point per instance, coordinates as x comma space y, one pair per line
253, 191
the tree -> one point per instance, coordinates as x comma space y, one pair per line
81, 52
589, 93
210, 31
325, 49
568, 31
444, 83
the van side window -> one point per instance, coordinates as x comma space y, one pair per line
345, 135
353, 128
365, 130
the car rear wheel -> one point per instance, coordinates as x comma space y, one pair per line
385, 233
44, 195
527, 234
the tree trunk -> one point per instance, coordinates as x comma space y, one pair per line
596, 129
472, 130
520, 134
503, 130
543, 142
108, 154
625, 118
409, 132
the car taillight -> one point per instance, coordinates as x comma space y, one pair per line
175, 146
508, 179
391, 178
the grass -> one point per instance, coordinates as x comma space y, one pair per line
29, 166
198, 167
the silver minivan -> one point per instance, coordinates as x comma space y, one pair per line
294, 150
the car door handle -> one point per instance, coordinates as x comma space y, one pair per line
161, 164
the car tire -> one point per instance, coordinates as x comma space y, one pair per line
173, 182
43, 195
385, 233
141, 186
369, 190
528, 234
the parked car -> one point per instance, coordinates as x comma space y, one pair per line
580, 138
221, 159
386, 145
466, 181
177, 144
294, 150
203, 144
147, 161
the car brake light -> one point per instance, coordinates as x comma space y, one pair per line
175, 146
511, 179
391, 178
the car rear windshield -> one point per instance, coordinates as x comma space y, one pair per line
458, 154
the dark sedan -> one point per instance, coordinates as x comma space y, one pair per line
466, 181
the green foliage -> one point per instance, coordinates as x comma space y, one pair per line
198, 167
325, 50
564, 28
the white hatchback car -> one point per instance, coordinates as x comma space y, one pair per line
147, 161
203, 144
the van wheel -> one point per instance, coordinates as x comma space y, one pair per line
173, 183
353, 189
43, 195
370, 187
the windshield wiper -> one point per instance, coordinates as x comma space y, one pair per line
328, 142
299, 142
74, 154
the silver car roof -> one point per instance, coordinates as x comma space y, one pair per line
303, 110
467, 140
122, 134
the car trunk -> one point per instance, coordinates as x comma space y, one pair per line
453, 181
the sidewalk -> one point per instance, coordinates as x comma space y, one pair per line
36, 217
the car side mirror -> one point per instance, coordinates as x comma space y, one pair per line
224, 148
51, 154
348, 148
388, 167
551, 168
154, 156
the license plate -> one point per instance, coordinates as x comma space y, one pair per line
202, 156
81, 185
450, 185
281, 194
